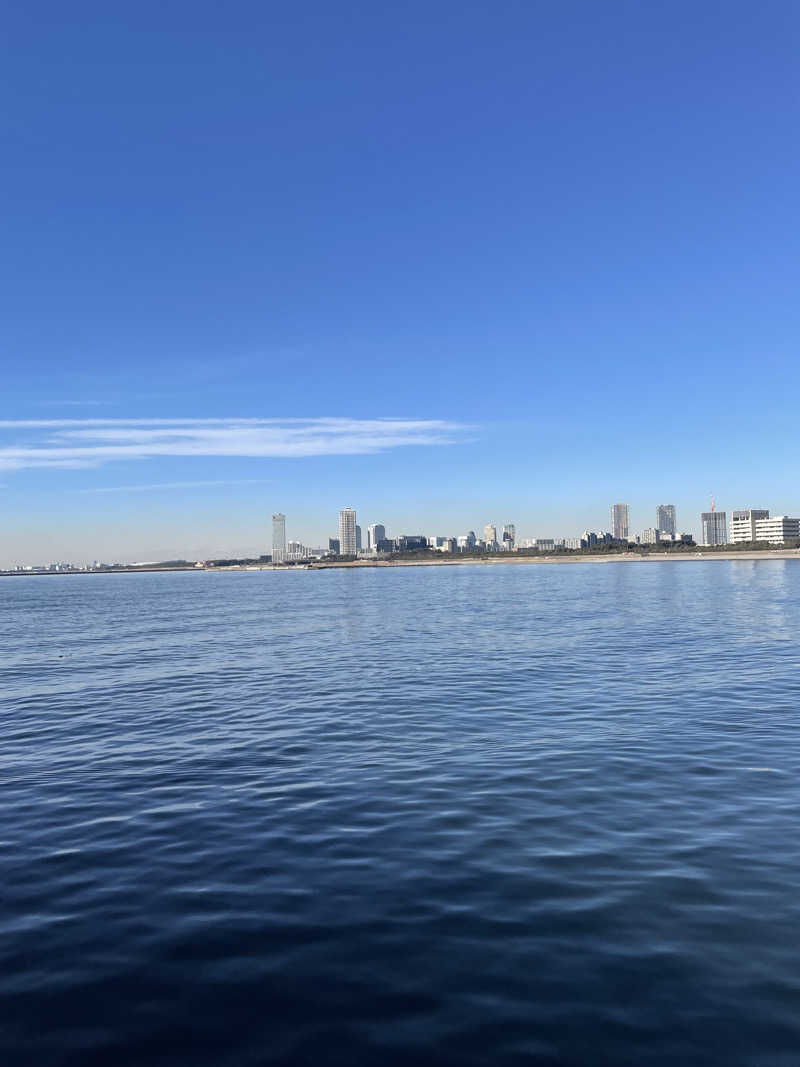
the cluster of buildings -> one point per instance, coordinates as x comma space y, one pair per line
350, 541
745, 526
67, 568
54, 568
664, 531
753, 524
749, 526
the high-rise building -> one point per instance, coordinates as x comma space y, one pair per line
333, 546
651, 536
665, 519
278, 538
347, 532
714, 528
358, 538
619, 522
509, 536
490, 533
375, 532
743, 525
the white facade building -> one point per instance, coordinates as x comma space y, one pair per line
650, 536
295, 550
777, 530
375, 532
743, 525
490, 534
278, 538
347, 532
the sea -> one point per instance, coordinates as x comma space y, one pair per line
532, 814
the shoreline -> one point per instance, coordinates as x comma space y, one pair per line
605, 557
501, 560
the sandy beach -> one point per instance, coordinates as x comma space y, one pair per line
627, 558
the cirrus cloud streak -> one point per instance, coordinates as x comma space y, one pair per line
75, 443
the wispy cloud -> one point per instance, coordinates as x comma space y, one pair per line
92, 442
171, 485
77, 403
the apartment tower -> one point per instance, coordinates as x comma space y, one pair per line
278, 538
347, 532
665, 519
619, 522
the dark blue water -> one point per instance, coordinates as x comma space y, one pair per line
464, 815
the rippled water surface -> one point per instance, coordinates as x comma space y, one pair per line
452, 815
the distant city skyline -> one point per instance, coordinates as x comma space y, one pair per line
311, 529
745, 526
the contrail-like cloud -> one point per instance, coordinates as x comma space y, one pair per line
74, 443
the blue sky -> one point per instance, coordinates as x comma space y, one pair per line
557, 242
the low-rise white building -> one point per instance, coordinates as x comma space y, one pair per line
777, 530
743, 525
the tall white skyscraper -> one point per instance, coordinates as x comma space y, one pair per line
278, 538
619, 522
375, 532
347, 532
665, 519
490, 533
